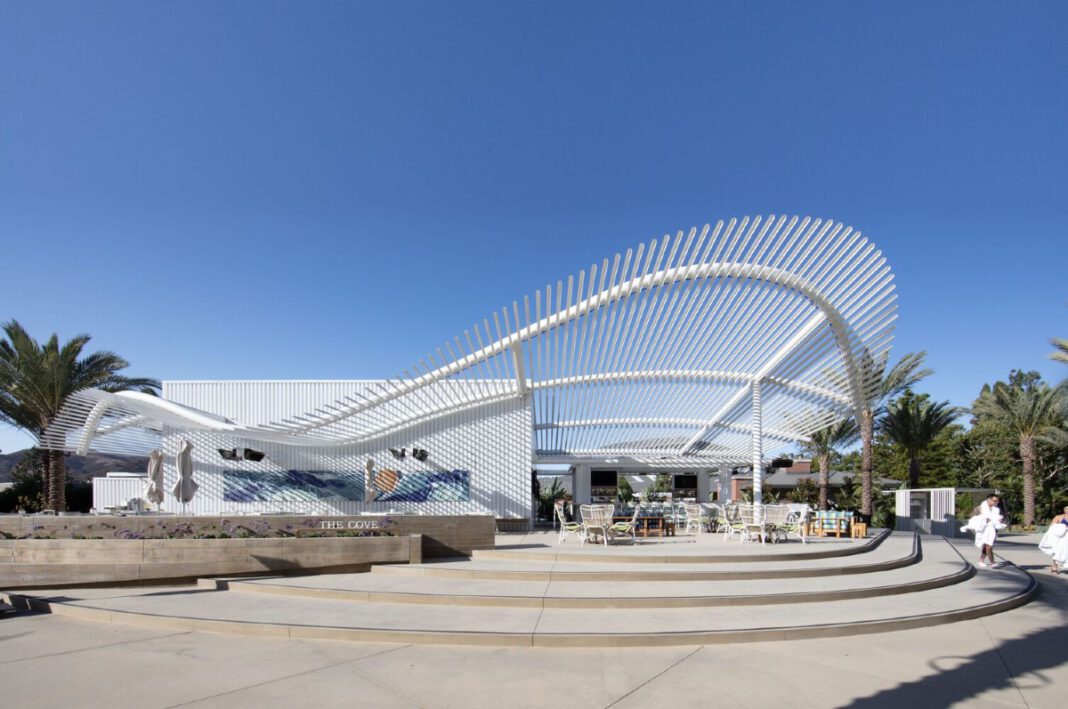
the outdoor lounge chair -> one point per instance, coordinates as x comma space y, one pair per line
775, 517
836, 522
596, 520
796, 523
622, 529
715, 515
732, 522
695, 518
752, 522
566, 528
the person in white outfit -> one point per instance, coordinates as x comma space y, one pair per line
1055, 542
985, 523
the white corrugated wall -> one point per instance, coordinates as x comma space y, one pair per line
117, 491
492, 443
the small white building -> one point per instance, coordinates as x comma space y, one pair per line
116, 489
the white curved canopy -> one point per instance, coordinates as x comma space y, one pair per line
651, 355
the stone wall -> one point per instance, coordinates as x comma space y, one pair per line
443, 535
32, 563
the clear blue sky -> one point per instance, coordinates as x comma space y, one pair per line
223, 190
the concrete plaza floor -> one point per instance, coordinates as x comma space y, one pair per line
1018, 658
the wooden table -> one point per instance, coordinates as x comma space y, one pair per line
645, 524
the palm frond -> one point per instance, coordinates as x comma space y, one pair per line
1061, 353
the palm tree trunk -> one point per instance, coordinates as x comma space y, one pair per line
46, 475
57, 481
825, 464
866, 434
914, 471
1027, 454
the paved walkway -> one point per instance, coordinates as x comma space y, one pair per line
1019, 658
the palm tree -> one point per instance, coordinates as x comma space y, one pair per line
823, 445
913, 422
35, 381
1030, 409
885, 384
1061, 354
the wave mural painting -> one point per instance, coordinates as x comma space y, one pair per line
292, 486
327, 486
427, 486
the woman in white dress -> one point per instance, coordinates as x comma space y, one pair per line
986, 523
1055, 542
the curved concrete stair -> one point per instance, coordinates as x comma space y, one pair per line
939, 566
732, 552
731, 618
897, 551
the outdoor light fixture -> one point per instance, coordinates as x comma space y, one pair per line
229, 454
252, 455
419, 454
399, 454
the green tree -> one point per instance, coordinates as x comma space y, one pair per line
1029, 408
1061, 353
824, 445
36, 379
888, 382
805, 492
913, 422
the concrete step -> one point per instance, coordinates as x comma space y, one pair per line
698, 549
940, 565
989, 591
900, 549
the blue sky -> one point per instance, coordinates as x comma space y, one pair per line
264, 190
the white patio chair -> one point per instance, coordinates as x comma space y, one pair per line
797, 522
623, 529
752, 523
567, 528
715, 514
775, 517
596, 519
695, 518
732, 522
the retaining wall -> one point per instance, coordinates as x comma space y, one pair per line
443, 535
33, 563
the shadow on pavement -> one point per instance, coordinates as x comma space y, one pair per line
1024, 659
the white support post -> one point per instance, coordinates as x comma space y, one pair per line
521, 385
758, 448
725, 484
702, 485
582, 484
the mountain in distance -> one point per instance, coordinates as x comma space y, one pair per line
82, 467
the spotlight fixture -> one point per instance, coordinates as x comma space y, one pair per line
253, 455
229, 454
419, 454
399, 454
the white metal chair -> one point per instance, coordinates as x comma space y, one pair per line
732, 522
797, 522
752, 523
775, 517
715, 514
596, 519
627, 528
567, 528
695, 518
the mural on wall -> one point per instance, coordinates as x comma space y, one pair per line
292, 486
326, 486
425, 486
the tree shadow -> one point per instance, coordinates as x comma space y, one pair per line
1027, 659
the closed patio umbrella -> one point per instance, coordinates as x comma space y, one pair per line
186, 487
154, 494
